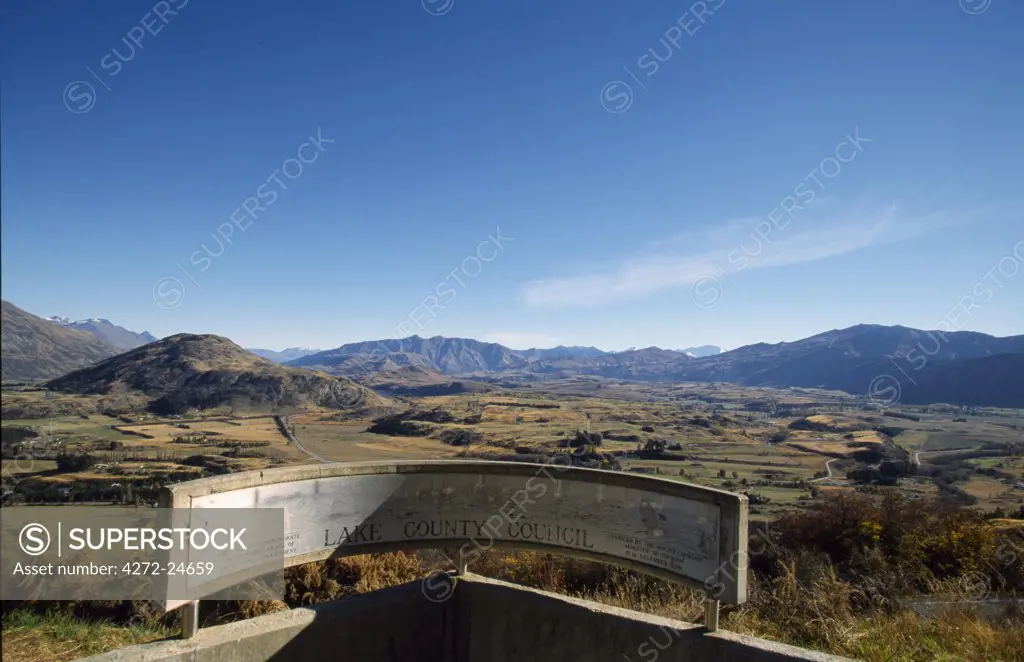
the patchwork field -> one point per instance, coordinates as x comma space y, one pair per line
349, 442
780, 447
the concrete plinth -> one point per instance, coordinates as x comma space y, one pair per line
483, 620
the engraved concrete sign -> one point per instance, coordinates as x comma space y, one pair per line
690, 534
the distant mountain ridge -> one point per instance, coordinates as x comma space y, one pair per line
562, 351
455, 356
285, 355
962, 367
988, 381
648, 364
702, 351
34, 348
110, 333
842, 359
449, 355
851, 359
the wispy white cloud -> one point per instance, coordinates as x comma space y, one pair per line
732, 247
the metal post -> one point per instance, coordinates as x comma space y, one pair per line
463, 565
711, 614
190, 620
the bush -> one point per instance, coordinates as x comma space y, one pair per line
889, 430
655, 446
431, 416
463, 438
67, 462
813, 426
896, 414
586, 439
14, 434
892, 546
394, 426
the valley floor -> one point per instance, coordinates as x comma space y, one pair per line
789, 450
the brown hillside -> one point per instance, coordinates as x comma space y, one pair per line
188, 371
34, 348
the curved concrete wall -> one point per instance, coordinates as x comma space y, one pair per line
690, 534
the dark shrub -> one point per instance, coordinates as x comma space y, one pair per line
396, 427
583, 438
622, 437
812, 426
656, 446
67, 462
462, 438
896, 414
893, 545
13, 434
432, 416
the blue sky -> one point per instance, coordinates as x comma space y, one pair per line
657, 173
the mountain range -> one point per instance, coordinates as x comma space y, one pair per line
925, 364
34, 348
462, 356
961, 367
116, 336
449, 355
285, 355
911, 365
560, 352
702, 351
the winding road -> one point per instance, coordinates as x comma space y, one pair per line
828, 468
287, 432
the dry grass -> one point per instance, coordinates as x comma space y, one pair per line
55, 637
868, 437
892, 637
817, 612
837, 448
256, 429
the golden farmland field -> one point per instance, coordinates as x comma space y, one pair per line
707, 435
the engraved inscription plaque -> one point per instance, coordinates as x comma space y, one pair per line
687, 533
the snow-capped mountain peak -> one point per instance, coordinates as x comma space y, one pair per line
110, 333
